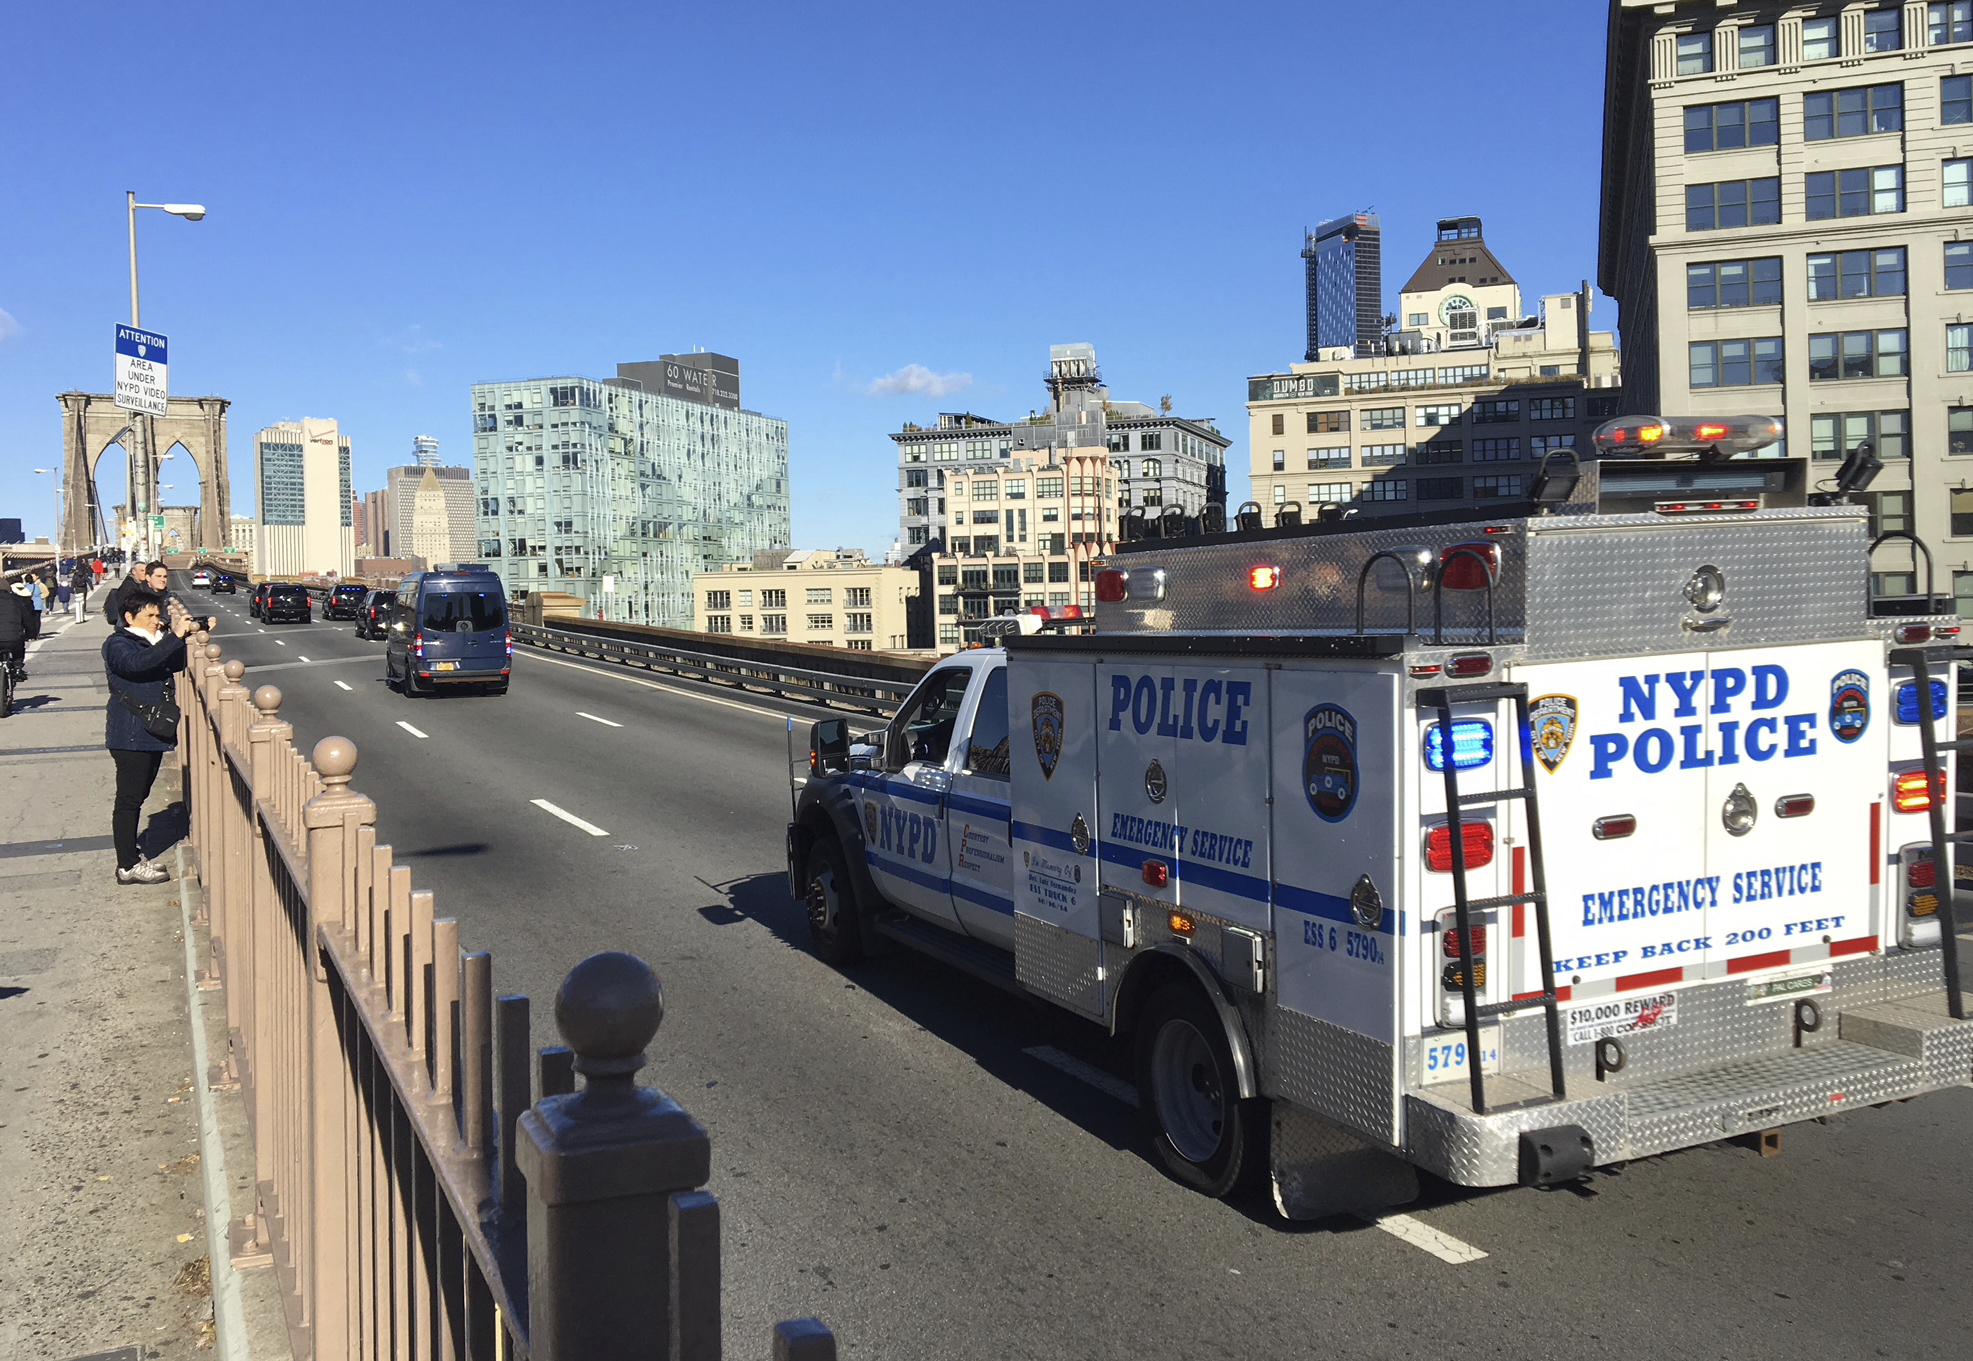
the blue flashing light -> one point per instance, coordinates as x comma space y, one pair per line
1472, 744
1908, 701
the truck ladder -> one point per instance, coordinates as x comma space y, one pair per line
1921, 660
1441, 699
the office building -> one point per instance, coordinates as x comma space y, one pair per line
424, 450
618, 490
1018, 508
1343, 261
1785, 226
372, 519
241, 532
431, 514
1457, 406
302, 483
836, 599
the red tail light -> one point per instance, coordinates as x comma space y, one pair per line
1910, 793
1111, 585
418, 644
510, 642
1478, 837
1450, 937
1470, 566
1469, 664
1071, 612
1794, 805
1157, 873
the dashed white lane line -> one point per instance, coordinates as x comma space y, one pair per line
777, 715
408, 728
566, 816
1086, 1072
593, 719
344, 685
283, 642
305, 659
1423, 1236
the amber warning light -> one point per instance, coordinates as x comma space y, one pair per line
1661, 436
1263, 578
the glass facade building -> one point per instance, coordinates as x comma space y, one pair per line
1345, 284
580, 480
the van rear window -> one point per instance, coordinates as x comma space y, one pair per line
464, 611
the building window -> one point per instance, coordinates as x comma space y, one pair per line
774, 600
1391, 489
986, 489
1048, 487
1329, 458
1740, 123
1328, 422
1280, 494
1695, 58
774, 623
1950, 22
719, 600
1153, 467
1391, 417
1441, 488
1959, 430
856, 623
1438, 452
1832, 434
1444, 414
1379, 455
1733, 283
949, 603
983, 517
1552, 408
746, 623
1154, 498
821, 595
918, 534
857, 596
948, 576
1418, 319
1959, 264
1857, 274
1496, 450
1959, 349
821, 623
1735, 363
1857, 354
1822, 39
1883, 29
1058, 571
1732, 203
1855, 193
1496, 486
1543, 445
1321, 492
1280, 423
1756, 46
1853, 112
1890, 512
1953, 187
1031, 572
1280, 460
1015, 489
1151, 439
1962, 514
1496, 412
719, 623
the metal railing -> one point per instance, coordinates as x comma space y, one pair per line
870, 694
425, 1186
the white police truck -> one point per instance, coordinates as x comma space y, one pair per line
1503, 848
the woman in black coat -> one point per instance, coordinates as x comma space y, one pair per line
16, 609
139, 660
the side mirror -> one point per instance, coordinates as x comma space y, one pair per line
828, 745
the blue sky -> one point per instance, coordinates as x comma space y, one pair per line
407, 199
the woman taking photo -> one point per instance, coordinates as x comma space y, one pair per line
139, 659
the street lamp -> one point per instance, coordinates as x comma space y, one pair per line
191, 212
55, 476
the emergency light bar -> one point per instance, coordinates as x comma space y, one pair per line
1907, 694
1712, 437
1472, 744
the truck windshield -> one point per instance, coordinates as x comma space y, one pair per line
464, 611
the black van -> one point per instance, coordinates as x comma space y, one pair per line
449, 628
342, 602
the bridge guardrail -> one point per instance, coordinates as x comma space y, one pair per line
425, 1186
868, 693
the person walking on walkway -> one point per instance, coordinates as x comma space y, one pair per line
80, 586
139, 659
39, 598
16, 608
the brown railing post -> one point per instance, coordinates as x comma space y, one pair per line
610, 1172
236, 818
265, 737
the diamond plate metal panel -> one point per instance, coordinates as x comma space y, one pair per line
1471, 1150
1762, 1094
1059, 965
1321, 1169
1331, 1071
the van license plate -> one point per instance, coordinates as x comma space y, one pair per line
448, 666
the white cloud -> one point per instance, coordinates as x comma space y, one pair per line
918, 378
413, 378
412, 340
8, 326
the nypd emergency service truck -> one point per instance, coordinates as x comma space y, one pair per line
1504, 848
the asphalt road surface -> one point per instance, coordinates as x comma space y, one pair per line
891, 1155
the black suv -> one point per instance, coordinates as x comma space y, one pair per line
344, 602
374, 614
222, 582
257, 599
285, 603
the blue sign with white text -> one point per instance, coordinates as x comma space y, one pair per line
146, 345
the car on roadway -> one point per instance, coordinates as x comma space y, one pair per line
449, 629
284, 602
254, 600
202, 580
374, 616
343, 602
222, 582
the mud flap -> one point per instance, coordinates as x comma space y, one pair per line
1322, 1169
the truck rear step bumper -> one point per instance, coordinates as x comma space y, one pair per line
1884, 1051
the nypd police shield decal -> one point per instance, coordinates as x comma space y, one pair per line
1047, 721
1552, 722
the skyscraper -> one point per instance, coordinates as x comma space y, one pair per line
301, 471
424, 450
1345, 284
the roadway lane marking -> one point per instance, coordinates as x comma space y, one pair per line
408, 728
777, 715
343, 685
593, 719
1423, 1236
305, 659
283, 642
1103, 1082
566, 816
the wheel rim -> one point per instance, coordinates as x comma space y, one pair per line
822, 902
1188, 1090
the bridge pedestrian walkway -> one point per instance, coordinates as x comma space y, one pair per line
104, 1246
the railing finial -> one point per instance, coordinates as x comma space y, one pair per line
234, 670
608, 1009
334, 758
267, 699
211, 653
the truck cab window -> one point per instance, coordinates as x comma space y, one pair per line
986, 752
923, 731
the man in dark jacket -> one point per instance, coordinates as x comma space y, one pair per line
139, 659
80, 585
137, 580
16, 609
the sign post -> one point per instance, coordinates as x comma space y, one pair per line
140, 370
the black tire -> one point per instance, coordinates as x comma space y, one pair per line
835, 917
1209, 1139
